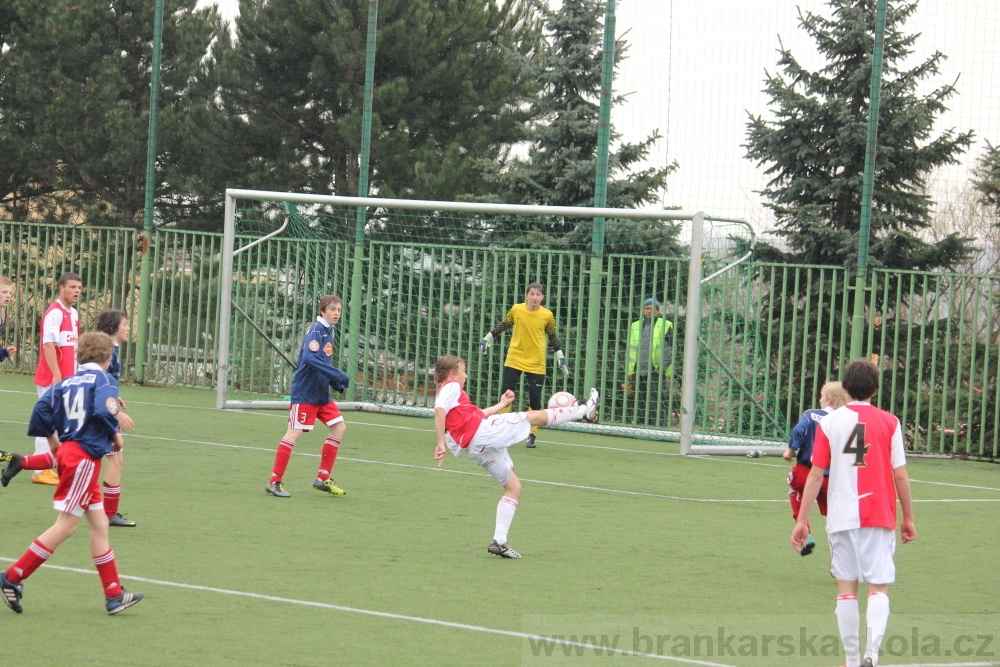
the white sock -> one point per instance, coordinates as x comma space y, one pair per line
505, 514
848, 618
562, 415
42, 446
877, 618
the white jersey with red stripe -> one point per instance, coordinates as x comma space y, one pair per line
861, 445
60, 326
462, 418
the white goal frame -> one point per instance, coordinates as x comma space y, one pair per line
690, 442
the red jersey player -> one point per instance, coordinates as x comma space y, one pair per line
60, 330
486, 435
863, 448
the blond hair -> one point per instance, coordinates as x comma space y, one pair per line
6, 282
834, 392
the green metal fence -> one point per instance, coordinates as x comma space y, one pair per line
771, 334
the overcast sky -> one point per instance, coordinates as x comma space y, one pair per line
696, 69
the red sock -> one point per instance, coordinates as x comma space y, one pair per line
328, 457
32, 559
112, 496
281, 459
38, 461
108, 571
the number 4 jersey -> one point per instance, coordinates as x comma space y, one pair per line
83, 408
861, 445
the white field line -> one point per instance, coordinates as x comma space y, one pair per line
525, 479
398, 617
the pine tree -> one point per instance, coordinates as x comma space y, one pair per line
814, 149
561, 161
987, 179
74, 103
450, 87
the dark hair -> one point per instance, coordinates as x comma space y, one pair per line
68, 276
109, 321
328, 301
94, 347
537, 286
860, 379
444, 367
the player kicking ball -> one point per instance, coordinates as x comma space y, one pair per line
486, 435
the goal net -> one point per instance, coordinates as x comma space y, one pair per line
421, 279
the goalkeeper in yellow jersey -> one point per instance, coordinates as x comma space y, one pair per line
532, 324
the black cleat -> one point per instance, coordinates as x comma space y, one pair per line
277, 490
867, 662
502, 550
530, 444
11, 593
11, 469
4, 456
120, 521
122, 602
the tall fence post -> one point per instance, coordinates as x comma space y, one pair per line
861, 280
600, 200
145, 266
354, 364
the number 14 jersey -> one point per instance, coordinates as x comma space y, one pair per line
861, 445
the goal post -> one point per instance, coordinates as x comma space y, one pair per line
434, 276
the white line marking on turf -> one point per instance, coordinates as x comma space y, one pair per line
567, 485
397, 617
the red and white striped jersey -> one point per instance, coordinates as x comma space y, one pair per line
462, 418
861, 445
60, 326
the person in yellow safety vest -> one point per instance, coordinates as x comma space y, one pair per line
650, 349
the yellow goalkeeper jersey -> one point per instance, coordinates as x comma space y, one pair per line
529, 341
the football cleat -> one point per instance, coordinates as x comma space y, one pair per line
808, 547
328, 486
502, 550
120, 521
591, 415
11, 593
122, 602
12, 468
867, 662
47, 476
277, 490
530, 444
4, 456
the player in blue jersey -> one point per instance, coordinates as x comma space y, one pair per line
314, 376
800, 445
115, 324
79, 418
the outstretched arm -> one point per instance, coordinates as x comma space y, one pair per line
505, 400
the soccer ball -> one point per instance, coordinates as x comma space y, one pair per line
562, 399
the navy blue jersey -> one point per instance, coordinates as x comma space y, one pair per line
83, 408
115, 367
804, 433
315, 374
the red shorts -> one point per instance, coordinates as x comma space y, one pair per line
78, 489
302, 416
797, 480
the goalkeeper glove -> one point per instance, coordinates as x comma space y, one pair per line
485, 343
561, 362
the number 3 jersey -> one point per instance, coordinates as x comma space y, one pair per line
861, 445
83, 408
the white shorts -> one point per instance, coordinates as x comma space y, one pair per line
863, 554
495, 435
